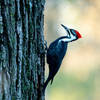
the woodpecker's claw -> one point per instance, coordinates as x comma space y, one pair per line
45, 46
44, 51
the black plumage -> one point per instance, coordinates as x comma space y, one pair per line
54, 61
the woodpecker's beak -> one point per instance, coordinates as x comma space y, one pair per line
67, 30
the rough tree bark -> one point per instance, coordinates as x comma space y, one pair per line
21, 49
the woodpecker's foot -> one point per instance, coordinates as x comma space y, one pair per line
45, 45
51, 81
44, 51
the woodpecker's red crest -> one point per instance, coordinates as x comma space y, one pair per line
78, 34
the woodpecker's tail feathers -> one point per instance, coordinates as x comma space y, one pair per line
51, 81
45, 85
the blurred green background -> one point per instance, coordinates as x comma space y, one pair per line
79, 75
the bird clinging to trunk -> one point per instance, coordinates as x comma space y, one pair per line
57, 51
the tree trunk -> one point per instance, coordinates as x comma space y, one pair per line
22, 57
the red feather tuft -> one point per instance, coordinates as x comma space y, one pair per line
78, 34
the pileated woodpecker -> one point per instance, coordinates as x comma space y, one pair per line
57, 51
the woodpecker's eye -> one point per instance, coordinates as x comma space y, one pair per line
73, 32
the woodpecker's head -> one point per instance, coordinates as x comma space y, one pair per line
72, 34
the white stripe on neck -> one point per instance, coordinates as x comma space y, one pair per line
72, 37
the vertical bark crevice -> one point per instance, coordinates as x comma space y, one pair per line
19, 34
